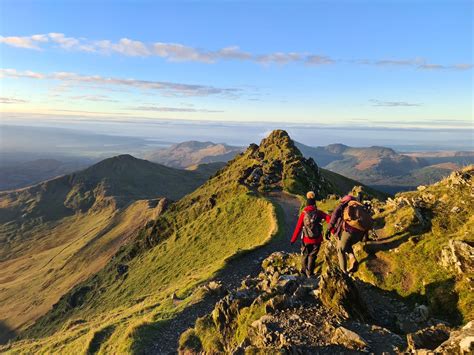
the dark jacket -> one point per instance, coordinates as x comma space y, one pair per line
299, 226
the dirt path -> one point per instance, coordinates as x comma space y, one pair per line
231, 276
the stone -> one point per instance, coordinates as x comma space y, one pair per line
428, 338
466, 345
349, 339
458, 255
420, 314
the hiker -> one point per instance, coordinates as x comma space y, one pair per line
310, 229
350, 222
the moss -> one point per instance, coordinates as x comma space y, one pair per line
209, 336
190, 342
246, 317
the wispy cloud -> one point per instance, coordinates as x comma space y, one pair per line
378, 103
12, 100
165, 87
170, 109
97, 98
177, 52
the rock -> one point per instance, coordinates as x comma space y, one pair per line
455, 209
466, 345
421, 188
349, 339
428, 338
420, 314
460, 341
278, 302
458, 255
338, 292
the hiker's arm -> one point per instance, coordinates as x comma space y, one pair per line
298, 227
335, 216
324, 216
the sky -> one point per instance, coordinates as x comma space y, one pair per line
396, 64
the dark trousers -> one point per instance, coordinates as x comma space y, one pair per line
344, 247
309, 253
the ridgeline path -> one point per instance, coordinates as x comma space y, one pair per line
231, 276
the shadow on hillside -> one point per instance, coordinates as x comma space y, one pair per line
6, 333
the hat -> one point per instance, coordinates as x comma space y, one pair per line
310, 194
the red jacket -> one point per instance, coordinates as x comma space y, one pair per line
299, 226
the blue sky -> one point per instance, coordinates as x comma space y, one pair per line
357, 63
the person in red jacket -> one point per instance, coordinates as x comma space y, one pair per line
310, 230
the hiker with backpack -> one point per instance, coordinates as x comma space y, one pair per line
310, 229
350, 222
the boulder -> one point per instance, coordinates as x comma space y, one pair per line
460, 341
349, 339
428, 338
337, 291
458, 255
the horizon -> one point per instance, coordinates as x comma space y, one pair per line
332, 65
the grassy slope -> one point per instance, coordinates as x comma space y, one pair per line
186, 246
409, 261
60, 254
57, 233
193, 240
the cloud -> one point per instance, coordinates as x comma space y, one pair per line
378, 103
96, 98
11, 100
176, 52
29, 42
170, 109
165, 87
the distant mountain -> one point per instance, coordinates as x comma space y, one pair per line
190, 153
55, 234
384, 168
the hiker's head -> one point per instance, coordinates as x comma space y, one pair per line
310, 194
311, 202
347, 198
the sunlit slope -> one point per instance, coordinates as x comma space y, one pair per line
426, 238
57, 233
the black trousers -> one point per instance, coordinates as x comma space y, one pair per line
309, 253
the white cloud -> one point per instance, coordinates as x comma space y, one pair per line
378, 103
170, 109
165, 87
177, 52
29, 42
12, 100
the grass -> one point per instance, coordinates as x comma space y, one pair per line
409, 263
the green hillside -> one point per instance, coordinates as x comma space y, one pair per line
57, 233
424, 247
183, 247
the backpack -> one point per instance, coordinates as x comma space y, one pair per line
312, 227
356, 216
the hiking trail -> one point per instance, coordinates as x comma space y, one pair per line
249, 263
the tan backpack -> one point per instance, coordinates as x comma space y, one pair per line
356, 216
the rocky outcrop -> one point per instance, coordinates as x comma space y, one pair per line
459, 342
281, 311
428, 338
459, 256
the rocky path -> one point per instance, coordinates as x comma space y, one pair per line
231, 276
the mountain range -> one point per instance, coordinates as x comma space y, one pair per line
127, 255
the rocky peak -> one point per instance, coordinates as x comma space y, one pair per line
278, 164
